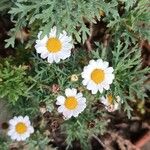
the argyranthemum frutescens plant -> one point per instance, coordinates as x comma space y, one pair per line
77, 88
53, 85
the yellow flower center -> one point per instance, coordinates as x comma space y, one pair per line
21, 128
98, 75
71, 102
53, 45
110, 99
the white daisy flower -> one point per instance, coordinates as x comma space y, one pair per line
54, 48
71, 105
97, 76
20, 128
111, 104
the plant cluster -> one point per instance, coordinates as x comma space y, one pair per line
31, 82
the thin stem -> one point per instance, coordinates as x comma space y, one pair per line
101, 143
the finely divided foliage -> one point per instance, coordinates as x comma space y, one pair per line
25, 86
68, 15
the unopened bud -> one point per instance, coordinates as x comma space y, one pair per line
74, 78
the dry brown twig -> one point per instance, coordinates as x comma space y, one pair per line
124, 144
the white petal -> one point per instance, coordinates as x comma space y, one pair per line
44, 55
85, 82
20, 119
70, 92
50, 58
67, 46
87, 75
91, 62
13, 137
94, 91
100, 88
106, 86
23, 137
56, 58
67, 113
83, 74
108, 79
10, 132
75, 113
82, 105
27, 121
42, 41
63, 56
109, 70
12, 122
99, 61
53, 32
105, 64
93, 87
31, 129
65, 39
80, 108
74, 91
60, 100
64, 32
79, 95
82, 100
39, 34
60, 109
40, 49
26, 118
18, 138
